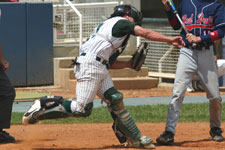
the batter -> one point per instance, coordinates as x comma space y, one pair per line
205, 19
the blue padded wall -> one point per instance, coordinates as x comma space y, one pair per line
39, 44
13, 40
26, 35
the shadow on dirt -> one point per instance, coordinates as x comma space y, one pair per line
184, 142
105, 147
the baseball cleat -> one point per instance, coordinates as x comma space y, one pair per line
5, 137
167, 138
30, 117
144, 143
216, 134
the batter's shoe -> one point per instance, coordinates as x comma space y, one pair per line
144, 143
167, 138
29, 117
216, 134
6, 138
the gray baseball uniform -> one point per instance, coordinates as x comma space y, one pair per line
204, 19
189, 62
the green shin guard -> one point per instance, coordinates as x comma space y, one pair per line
128, 126
123, 119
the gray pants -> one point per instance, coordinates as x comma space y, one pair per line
191, 62
7, 95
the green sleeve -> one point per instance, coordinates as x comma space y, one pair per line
122, 28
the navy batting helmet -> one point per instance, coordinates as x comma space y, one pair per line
123, 10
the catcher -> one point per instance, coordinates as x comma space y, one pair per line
100, 50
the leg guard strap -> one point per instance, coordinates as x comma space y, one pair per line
49, 102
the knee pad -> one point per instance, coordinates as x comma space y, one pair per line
116, 99
87, 111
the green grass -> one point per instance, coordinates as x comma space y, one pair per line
29, 95
147, 113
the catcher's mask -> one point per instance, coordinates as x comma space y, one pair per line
123, 10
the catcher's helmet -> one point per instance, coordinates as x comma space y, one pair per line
123, 10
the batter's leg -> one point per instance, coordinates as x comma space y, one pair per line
186, 68
209, 78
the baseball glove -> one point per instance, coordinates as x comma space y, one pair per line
139, 56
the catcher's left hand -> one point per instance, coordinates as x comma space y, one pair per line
139, 56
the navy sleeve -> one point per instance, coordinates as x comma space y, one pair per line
219, 19
219, 22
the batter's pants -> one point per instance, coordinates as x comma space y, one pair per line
191, 62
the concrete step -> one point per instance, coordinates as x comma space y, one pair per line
119, 73
124, 83
122, 78
135, 83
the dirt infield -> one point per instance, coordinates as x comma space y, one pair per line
99, 136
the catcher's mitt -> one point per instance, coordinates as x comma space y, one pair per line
139, 56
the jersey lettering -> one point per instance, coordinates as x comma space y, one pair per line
200, 20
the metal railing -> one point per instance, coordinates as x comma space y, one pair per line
80, 21
162, 57
75, 22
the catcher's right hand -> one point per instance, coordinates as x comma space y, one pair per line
139, 56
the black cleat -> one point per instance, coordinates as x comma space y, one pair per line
216, 134
167, 138
6, 138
